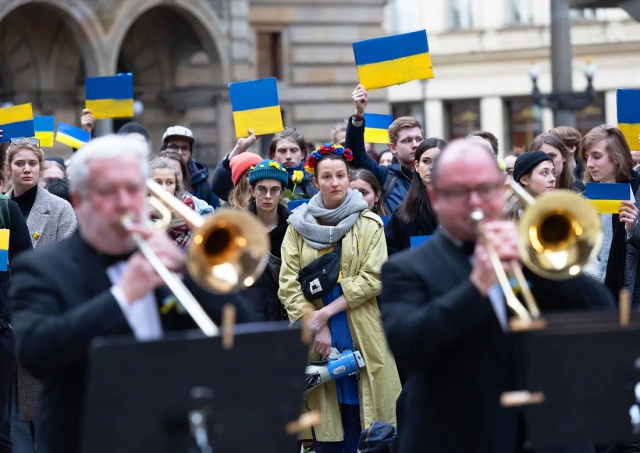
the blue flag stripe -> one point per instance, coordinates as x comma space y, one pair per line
74, 132
388, 48
628, 106
253, 94
115, 87
377, 121
44, 123
604, 191
17, 129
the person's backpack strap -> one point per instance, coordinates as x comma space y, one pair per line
389, 184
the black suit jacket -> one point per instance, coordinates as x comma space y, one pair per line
60, 301
446, 338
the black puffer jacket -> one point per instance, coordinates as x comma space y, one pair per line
263, 295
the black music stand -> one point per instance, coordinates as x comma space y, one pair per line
587, 366
158, 396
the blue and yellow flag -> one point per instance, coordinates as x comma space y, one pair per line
71, 135
16, 121
110, 97
45, 127
255, 106
628, 102
391, 60
606, 197
4, 249
376, 127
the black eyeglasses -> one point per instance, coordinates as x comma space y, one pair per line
484, 191
261, 191
25, 141
179, 149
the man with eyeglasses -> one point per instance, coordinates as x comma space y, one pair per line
446, 320
181, 140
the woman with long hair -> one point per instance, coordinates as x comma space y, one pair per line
414, 216
184, 181
367, 184
240, 197
555, 148
347, 317
49, 220
606, 155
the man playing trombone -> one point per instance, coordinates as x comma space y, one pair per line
446, 319
96, 283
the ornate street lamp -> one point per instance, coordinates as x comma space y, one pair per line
564, 100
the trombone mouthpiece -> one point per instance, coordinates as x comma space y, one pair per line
477, 215
126, 222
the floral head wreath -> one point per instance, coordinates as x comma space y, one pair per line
323, 150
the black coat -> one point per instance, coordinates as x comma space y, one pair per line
60, 301
263, 294
398, 233
447, 339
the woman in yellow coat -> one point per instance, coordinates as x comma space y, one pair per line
349, 316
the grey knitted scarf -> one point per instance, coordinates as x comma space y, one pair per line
303, 219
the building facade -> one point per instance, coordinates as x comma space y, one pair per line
482, 52
183, 54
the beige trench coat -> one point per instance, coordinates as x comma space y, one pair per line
364, 250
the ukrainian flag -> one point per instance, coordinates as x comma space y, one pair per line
606, 197
628, 102
110, 97
72, 136
45, 127
4, 249
255, 106
376, 127
391, 60
16, 121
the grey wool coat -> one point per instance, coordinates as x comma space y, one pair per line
51, 219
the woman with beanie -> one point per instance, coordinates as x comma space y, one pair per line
555, 148
605, 152
267, 181
414, 216
535, 172
347, 317
240, 196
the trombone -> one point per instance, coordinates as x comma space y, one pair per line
558, 233
227, 253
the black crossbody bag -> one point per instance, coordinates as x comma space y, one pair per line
319, 277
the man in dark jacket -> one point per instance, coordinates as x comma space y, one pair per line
405, 134
447, 322
180, 139
95, 283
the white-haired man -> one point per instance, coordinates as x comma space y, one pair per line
94, 284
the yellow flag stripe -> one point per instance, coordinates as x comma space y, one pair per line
68, 140
15, 114
267, 120
393, 72
632, 134
606, 206
46, 138
110, 108
372, 135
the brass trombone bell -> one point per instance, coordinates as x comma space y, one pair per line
228, 251
559, 234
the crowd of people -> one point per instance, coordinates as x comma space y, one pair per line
429, 321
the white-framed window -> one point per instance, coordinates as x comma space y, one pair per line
519, 12
582, 14
460, 14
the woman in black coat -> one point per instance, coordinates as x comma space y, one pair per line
268, 180
414, 216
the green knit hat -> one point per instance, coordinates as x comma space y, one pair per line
269, 169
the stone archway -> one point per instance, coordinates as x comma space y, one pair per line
178, 73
